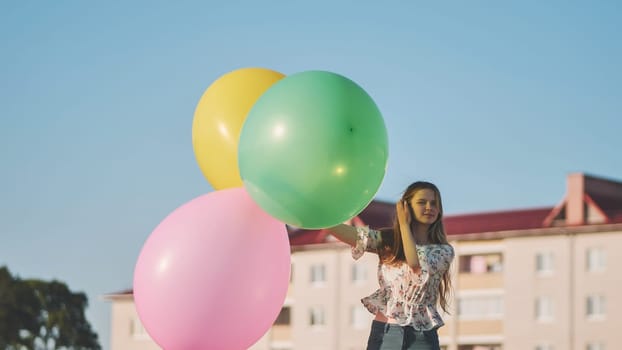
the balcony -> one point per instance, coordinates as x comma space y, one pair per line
480, 271
281, 333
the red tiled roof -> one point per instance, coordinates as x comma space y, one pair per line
304, 237
123, 292
119, 294
496, 221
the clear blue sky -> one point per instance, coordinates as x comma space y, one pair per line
494, 102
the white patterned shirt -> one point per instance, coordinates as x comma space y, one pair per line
407, 296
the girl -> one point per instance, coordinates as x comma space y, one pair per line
413, 271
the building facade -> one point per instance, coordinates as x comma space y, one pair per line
535, 279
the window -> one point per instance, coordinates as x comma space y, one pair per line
480, 307
318, 274
359, 273
359, 317
544, 309
281, 345
284, 316
481, 263
138, 330
544, 263
595, 259
595, 346
480, 347
595, 306
316, 316
544, 347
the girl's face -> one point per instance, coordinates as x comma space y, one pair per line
425, 207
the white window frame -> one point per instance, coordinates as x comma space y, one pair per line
317, 317
595, 259
544, 309
545, 263
480, 305
138, 331
544, 347
595, 346
318, 275
595, 307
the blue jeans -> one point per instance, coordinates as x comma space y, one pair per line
387, 336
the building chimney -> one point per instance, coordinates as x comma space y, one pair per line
575, 205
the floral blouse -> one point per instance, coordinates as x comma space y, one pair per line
404, 295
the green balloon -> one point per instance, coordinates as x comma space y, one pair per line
313, 150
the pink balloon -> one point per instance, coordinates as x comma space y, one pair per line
213, 275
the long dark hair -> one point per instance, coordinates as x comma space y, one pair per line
392, 250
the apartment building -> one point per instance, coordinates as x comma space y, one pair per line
535, 279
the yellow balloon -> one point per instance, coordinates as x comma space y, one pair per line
218, 120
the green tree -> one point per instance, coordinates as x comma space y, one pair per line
41, 315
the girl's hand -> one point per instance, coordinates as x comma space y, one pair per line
403, 213
408, 241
